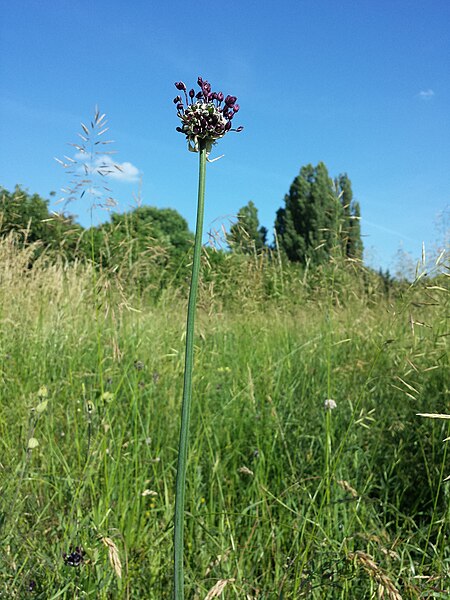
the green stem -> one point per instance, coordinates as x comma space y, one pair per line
187, 389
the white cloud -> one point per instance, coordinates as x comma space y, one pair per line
426, 94
126, 172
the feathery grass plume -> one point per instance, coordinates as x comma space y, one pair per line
206, 117
91, 165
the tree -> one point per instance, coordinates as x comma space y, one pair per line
350, 229
319, 217
305, 227
29, 216
153, 241
246, 235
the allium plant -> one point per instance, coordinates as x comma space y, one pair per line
206, 117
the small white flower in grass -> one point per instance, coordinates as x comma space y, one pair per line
330, 404
149, 493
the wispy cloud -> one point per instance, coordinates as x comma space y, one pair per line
387, 230
426, 94
125, 172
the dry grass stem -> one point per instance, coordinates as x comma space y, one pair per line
215, 591
114, 558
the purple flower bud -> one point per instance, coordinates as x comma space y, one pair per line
177, 99
200, 81
240, 128
230, 100
228, 126
220, 97
180, 106
236, 107
191, 94
198, 95
179, 129
180, 86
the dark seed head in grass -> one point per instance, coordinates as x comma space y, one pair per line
206, 116
74, 558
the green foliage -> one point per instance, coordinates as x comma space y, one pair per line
350, 220
283, 499
148, 245
247, 235
319, 218
29, 218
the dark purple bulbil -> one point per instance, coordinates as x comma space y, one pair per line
230, 100
75, 558
206, 118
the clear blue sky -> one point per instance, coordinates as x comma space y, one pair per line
362, 85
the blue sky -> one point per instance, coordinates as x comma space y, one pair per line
362, 86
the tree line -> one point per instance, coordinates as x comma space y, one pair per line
319, 219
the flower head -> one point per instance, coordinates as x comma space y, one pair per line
330, 404
206, 116
75, 558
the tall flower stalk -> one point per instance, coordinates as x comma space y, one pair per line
206, 117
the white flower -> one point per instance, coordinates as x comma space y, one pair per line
330, 404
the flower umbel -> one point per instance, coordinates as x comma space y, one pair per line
206, 116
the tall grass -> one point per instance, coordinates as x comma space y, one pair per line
283, 499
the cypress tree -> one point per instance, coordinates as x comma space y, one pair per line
246, 235
307, 225
351, 229
319, 218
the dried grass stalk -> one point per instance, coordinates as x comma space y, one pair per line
386, 587
215, 591
114, 558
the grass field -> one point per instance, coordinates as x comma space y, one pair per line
285, 499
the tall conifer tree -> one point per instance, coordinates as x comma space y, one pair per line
306, 226
350, 228
246, 235
319, 218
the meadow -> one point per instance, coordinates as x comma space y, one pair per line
289, 495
